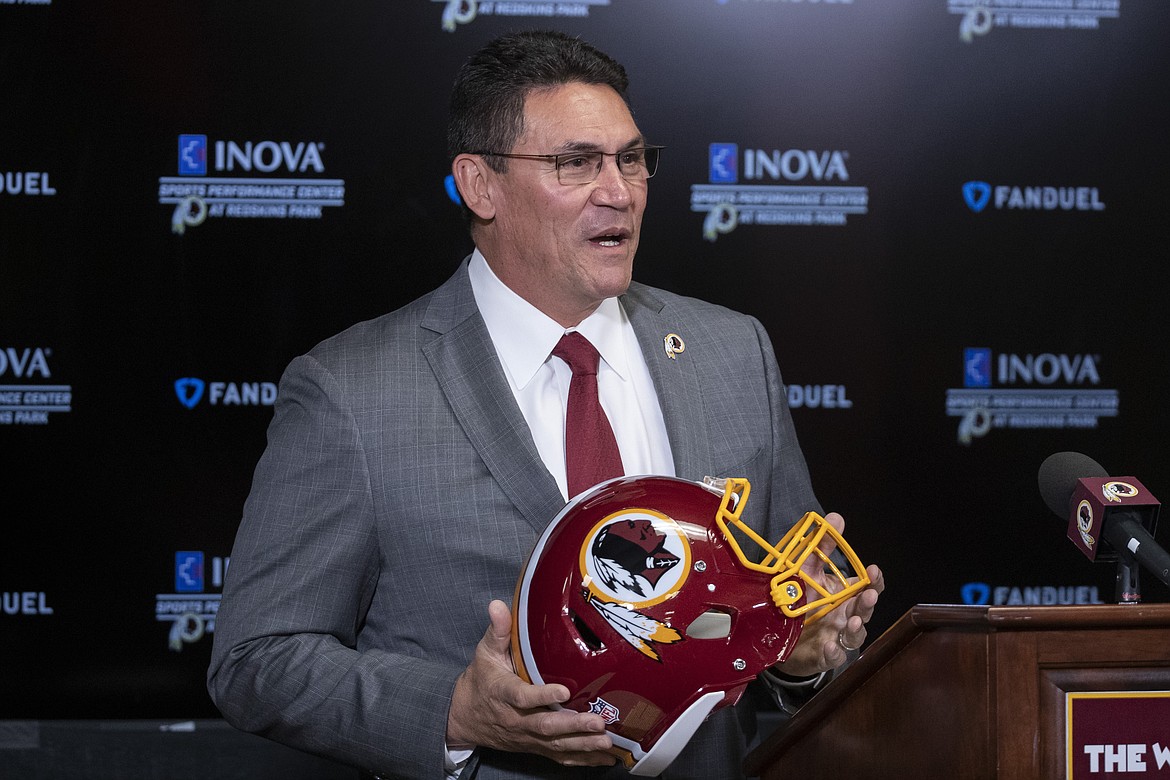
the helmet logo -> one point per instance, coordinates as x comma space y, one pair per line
632, 554
632, 560
609, 713
637, 556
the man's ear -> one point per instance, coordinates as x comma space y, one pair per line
474, 178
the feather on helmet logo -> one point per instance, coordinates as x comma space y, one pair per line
632, 560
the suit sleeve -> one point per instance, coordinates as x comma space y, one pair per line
287, 661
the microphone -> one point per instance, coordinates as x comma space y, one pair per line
1118, 510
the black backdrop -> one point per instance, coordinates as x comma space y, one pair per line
1003, 169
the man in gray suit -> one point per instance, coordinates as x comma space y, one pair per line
414, 459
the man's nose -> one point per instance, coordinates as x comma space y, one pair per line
611, 187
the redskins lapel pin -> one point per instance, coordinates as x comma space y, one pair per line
673, 344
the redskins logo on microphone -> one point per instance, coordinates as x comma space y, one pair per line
1085, 523
1115, 491
632, 560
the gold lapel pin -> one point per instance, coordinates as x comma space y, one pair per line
673, 344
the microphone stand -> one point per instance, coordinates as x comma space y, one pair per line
1128, 583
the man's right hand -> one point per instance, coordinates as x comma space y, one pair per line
492, 707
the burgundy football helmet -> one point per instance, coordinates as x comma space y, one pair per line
641, 599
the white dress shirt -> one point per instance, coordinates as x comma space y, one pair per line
524, 338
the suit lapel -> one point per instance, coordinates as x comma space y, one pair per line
469, 373
677, 381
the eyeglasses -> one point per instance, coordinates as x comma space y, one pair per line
636, 164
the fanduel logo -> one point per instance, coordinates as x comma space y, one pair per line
25, 603
25, 183
25, 363
981, 593
818, 397
979, 194
190, 391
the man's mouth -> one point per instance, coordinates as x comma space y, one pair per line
610, 239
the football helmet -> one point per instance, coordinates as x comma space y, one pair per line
655, 604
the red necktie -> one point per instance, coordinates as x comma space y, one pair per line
591, 451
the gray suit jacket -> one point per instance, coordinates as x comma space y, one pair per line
401, 491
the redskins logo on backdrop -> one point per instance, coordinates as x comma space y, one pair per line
979, 17
460, 12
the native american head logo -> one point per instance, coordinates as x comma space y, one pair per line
1115, 491
632, 554
631, 561
1085, 523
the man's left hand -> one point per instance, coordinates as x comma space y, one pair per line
825, 644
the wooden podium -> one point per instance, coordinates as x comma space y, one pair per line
969, 692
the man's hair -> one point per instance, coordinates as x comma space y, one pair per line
487, 102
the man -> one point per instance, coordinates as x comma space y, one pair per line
414, 459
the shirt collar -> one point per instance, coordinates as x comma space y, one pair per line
524, 336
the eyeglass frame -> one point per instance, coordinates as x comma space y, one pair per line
565, 156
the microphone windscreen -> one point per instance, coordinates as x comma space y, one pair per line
1058, 478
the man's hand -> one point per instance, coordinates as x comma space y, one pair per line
823, 644
493, 707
